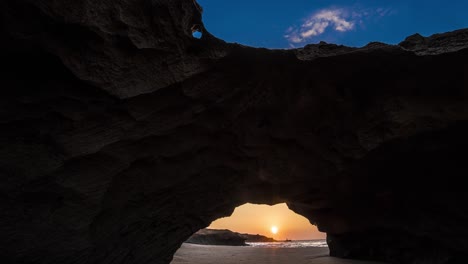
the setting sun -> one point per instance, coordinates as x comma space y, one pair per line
274, 229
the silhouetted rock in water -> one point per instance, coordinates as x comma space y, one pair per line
257, 238
122, 135
225, 237
217, 237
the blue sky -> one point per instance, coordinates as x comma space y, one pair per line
295, 23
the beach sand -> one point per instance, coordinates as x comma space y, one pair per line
198, 254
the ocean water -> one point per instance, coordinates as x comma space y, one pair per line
292, 244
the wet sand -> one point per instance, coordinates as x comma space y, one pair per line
198, 254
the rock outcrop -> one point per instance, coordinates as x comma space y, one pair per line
257, 238
122, 135
217, 237
225, 237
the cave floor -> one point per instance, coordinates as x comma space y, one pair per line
197, 254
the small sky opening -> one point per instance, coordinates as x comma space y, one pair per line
197, 34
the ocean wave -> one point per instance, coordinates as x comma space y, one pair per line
290, 244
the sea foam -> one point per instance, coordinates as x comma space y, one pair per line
290, 244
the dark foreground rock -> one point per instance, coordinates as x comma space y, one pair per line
122, 135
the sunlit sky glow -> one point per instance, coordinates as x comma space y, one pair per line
260, 219
287, 24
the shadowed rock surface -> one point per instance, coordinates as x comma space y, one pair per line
122, 135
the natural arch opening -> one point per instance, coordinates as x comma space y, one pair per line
277, 222
248, 235
348, 23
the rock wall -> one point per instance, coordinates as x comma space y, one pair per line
122, 135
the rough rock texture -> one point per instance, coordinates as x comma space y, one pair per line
122, 135
217, 237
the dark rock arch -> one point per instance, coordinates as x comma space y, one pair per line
122, 135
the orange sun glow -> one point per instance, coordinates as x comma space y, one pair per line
274, 229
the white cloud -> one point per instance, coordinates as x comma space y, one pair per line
317, 24
315, 29
338, 19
